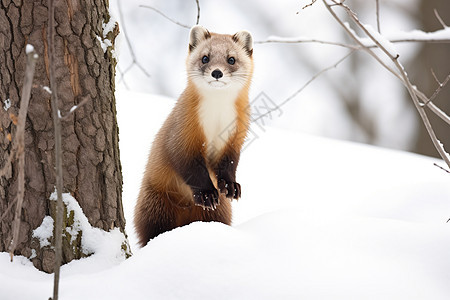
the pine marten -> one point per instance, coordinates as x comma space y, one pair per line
191, 170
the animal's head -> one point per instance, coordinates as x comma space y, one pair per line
219, 61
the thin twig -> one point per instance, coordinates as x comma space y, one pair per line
20, 146
127, 40
310, 4
436, 110
304, 86
378, 15
402, 75
7, 210
409, 86
356, 38
134, 61
440, 19
58, 148
442, 168
441, 85
301, 40
306, 40
7, 167
66, 116
165, 16
198, 12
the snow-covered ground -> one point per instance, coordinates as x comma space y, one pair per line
318, 219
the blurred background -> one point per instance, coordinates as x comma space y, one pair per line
358, 100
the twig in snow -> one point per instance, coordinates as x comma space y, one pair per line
19, 145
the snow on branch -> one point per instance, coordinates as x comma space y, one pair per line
415, 36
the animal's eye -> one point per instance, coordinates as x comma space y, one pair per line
231, 60
205, 59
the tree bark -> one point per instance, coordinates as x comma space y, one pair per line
436, 57
91, 164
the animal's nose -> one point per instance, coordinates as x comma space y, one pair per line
217, 74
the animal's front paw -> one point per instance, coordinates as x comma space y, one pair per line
206, 199
231, 189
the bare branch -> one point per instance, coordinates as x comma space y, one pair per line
198, 12
440, 19
127, 40
165, 16
20, 143
444, 169
134, 61
304, 86
58, 148
7, 167
10, 206
402, 75
432, 106
439, 88
305, 40
74, 109
310, 4
378, 15
405, 37
355, 37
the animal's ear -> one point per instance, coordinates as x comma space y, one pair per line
197, 35
244, 38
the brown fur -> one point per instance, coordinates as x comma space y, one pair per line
166, 200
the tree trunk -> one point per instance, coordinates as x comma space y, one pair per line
436, 57
84, 70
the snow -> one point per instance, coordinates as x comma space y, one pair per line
104, 43
47, 89
108, 27
383, 41
318, 219
443, 147
392, 37
442, 34
93, 240
29, 48
6, 104
45, 231
73, 108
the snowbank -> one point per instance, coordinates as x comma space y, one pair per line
318, 219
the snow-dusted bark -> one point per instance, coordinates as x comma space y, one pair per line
85, 73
